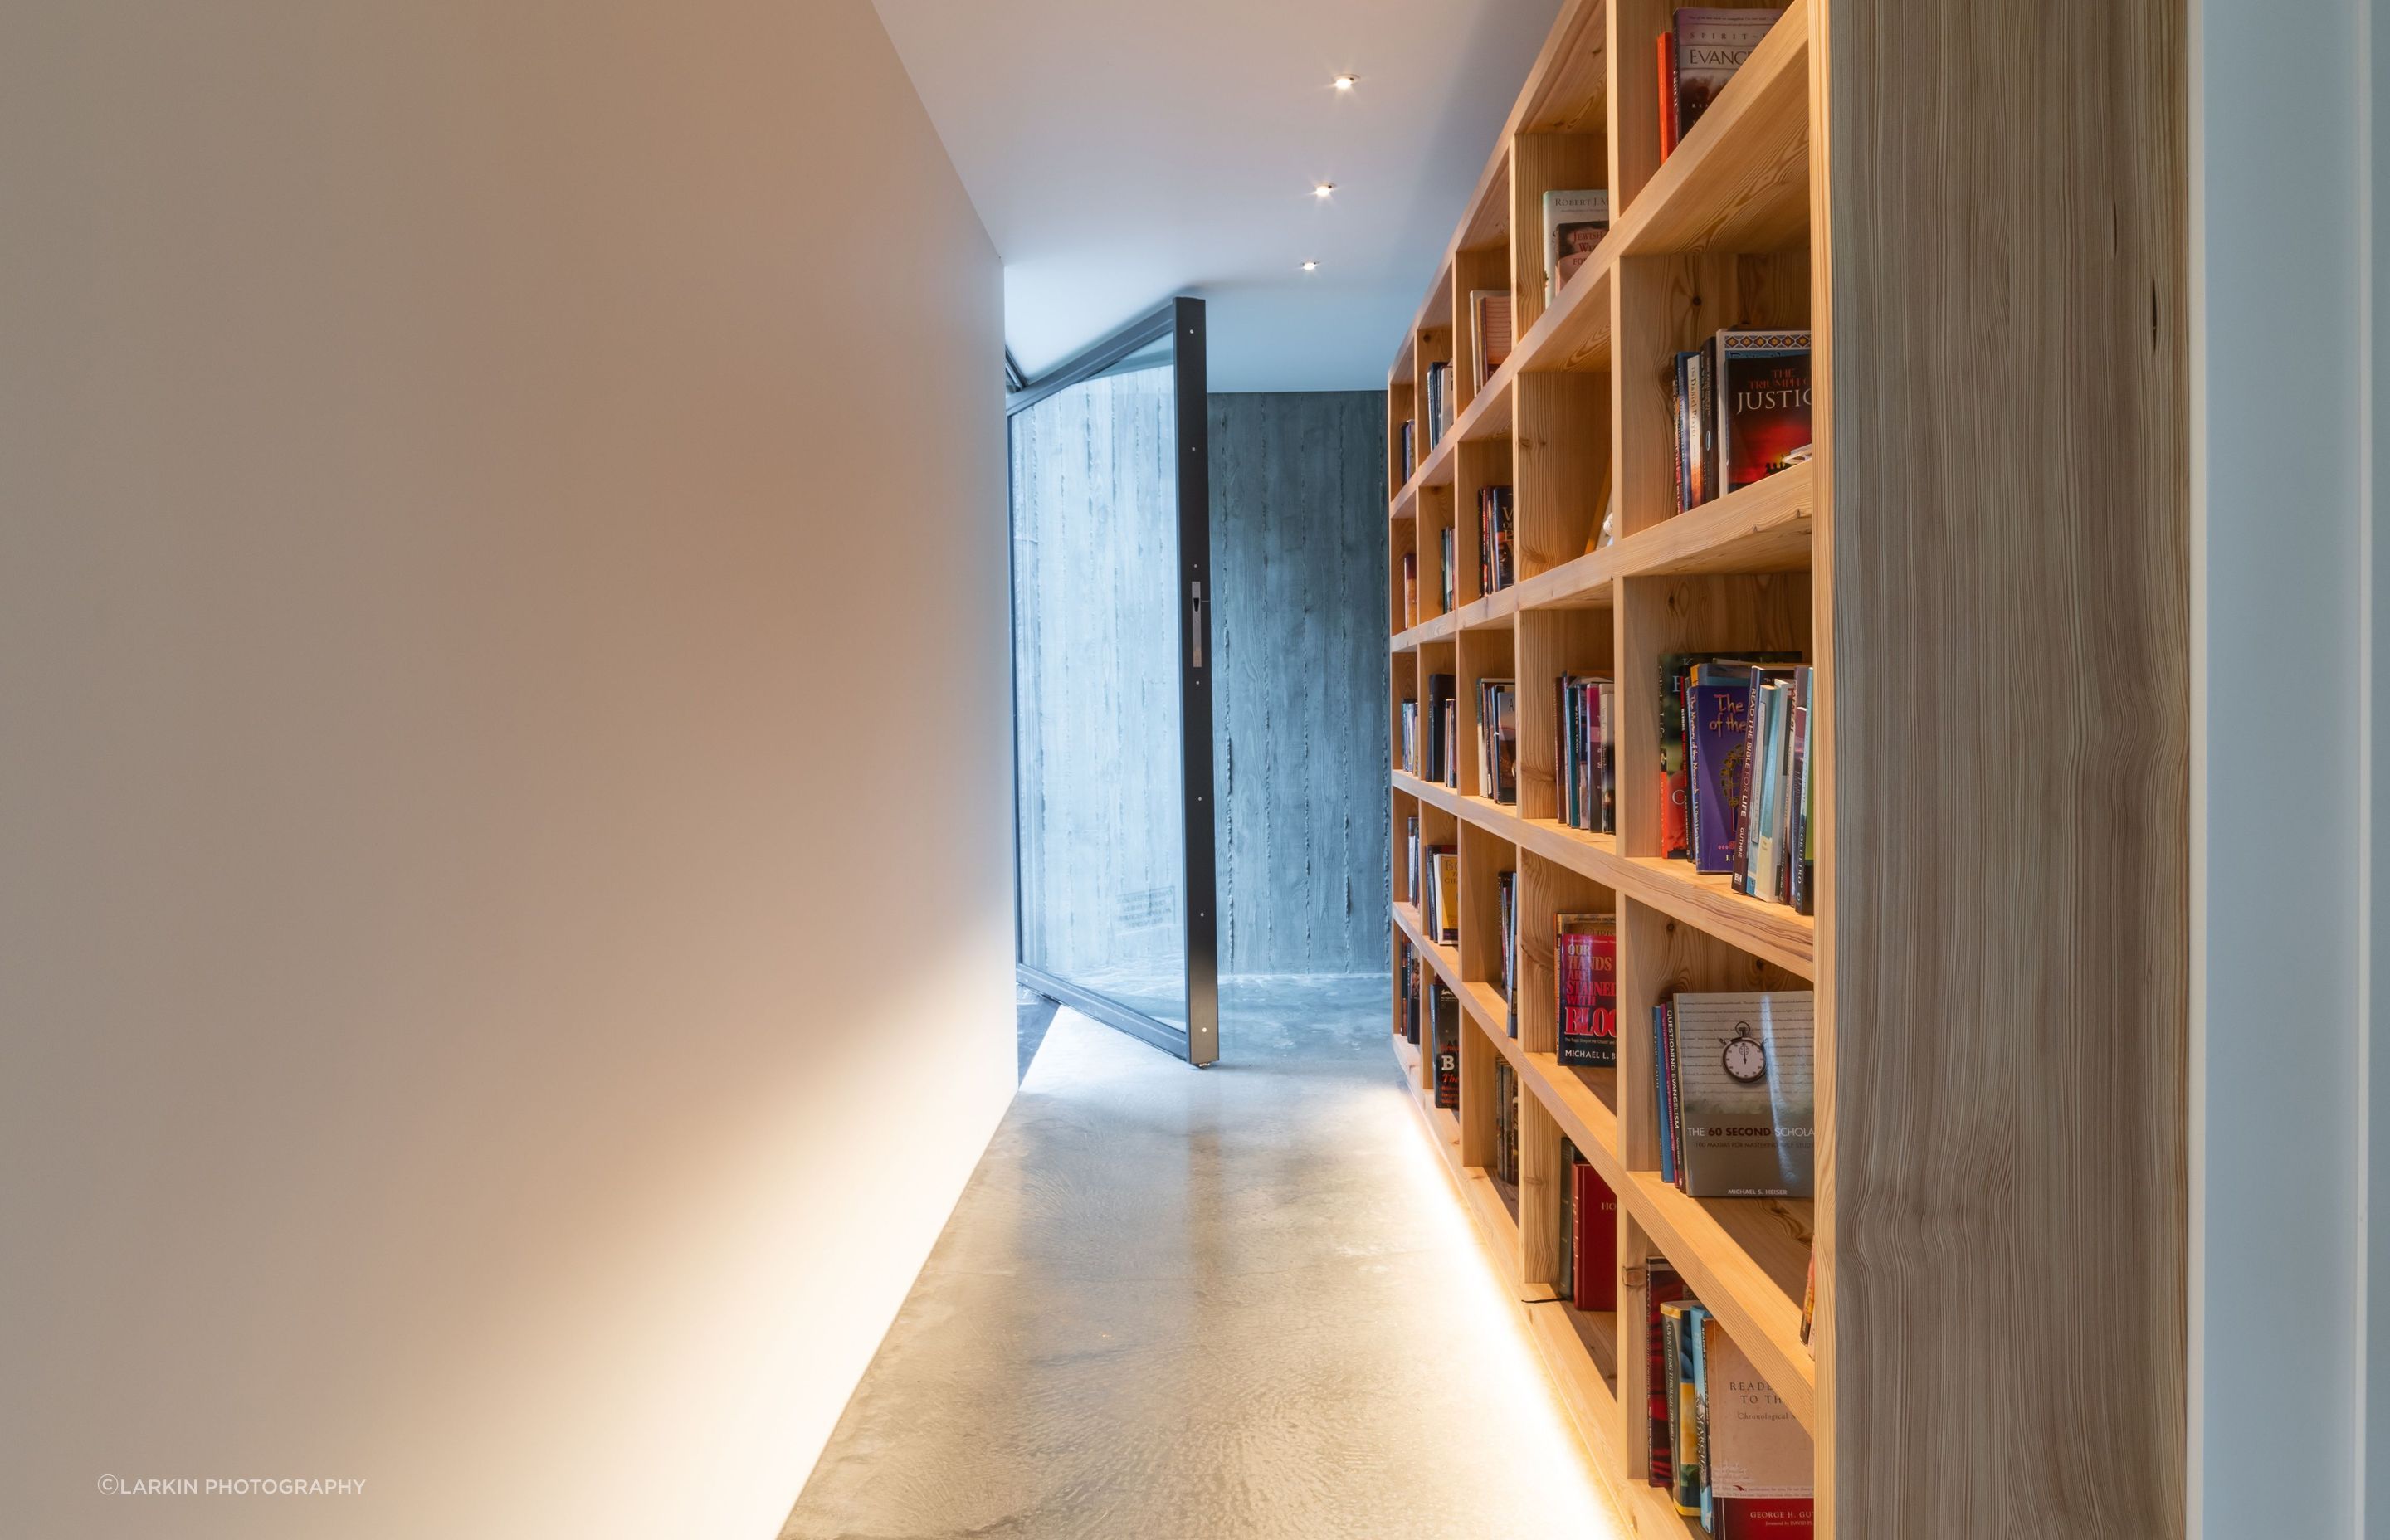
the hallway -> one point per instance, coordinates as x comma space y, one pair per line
1238, 1302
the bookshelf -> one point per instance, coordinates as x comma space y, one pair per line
1985, 562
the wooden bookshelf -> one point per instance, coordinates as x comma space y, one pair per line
1985, 562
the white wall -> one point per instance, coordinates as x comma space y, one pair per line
2282, 629
504, 892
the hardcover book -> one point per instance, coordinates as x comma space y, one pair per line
1746, 1066
1446, 1024
1760, 414
1710, 45
1594, 1270
1761, 1471
1584, 960
1717, 702
1575, 221
1661, 1286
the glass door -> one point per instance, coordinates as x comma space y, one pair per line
1113, 686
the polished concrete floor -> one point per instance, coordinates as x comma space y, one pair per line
1186, 1303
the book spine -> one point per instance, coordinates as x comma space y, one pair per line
1668, 94
1687, 1446
1701, 1325
1564, 1255
1660, 1090
1746, 775
1596, 1258
1676, 1092
1672, 1344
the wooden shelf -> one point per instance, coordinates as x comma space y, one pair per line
1768, 931
1954, 573
1766, 527
1737, 1253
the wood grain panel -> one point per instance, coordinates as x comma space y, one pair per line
2005, 547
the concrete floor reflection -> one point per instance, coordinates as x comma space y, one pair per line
1236, 1302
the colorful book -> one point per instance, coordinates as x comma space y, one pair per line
1747, 1097
1761, 1465
1575, 221
1759, 414
1718, 705
1700, 1325
1585, 962
1444, 1023
1680, 1319
1705, 47
1661, 1092
1661, 1286
1444, 894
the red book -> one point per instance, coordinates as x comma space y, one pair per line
1661, 1285
1765, 1518
1667, 93
1595, 1235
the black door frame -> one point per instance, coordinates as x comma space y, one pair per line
1182, 321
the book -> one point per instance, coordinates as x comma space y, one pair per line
1594, 1270
1699, 53
1506, 898
1745, 1065
1585, 752
1444, 894
1717, 706
1661, 1287
1451, 743
1447, 581
1565, 1254
1497, 565
1418, 881
1408, 716
1750, 789
1489, 325
1497, 740
1671, 1100
1408, 977
1585, 962
1758, 413
1676, 769
1410, 589
1506, 1134
1679, 1320
1440, 405
1405, 437
1440, 755
1575, 221
1761, 1470
1667, 98
1444, 1022
1700, 1325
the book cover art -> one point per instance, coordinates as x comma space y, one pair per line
1711, 44
1761, 1470
1584, 958
1446, 1025
1746, 1065
1444, 874
1661, 1287
1717, 701
1596, 1267
1762, 408
1575, 221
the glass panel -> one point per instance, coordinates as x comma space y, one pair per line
1096, 668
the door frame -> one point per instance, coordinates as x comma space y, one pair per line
1180, 320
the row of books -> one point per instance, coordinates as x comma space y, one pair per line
1506, 1136
1575, 220
1498, 566
1698, 52
1441, 406
1435, 883
1587, 1254
1724, 1447
1734, 1077
1406, 970
1741, 406
1584, 728
1497, 740
1738, 795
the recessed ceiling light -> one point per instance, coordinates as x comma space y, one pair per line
1344, 82
1311, 267
1322, 189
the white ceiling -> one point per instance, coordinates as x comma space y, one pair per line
1122, 151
